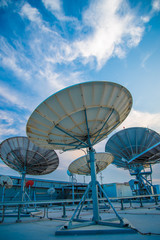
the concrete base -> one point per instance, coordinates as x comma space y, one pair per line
93, 228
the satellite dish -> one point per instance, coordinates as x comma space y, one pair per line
6, 182
80, 117
82, 166
136, 149
51, 191
60, 121
29, 183
22, 155
132, 147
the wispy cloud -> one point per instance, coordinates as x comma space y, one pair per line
4, 3
145, 59
56, 8
112, 28
31, 13
12, 124
14, 59
142, 119
156, 5
10, 96
115, 27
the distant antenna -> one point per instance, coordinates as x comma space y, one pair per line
72, 177
51, 191
101, 178
5, 182
84, 180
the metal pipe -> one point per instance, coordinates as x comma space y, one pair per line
155, 145
112, 110
78, 140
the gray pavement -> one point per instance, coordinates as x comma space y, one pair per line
146, 220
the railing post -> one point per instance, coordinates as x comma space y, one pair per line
19, 214
64, 211
141, 204
3, 214
130, 203
156, 200
122, 207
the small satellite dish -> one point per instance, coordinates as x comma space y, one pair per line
51, 191
6, 182
29, 183
81, 165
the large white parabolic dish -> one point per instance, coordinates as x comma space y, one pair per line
64, 120
81, 165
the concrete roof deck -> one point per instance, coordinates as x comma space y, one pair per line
145, 219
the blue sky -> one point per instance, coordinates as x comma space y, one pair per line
48, 45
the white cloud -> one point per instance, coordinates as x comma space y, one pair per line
10, 62
56, 8
113, 28
11, 124
31, 13
142, 119
52, 5
11, 97
14, 59
145, 19
156, 5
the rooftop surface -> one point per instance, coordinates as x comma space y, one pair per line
146, 220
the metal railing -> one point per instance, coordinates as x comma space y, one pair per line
63, 202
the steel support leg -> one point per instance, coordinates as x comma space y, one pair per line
3, 193
75, 212
94, 186
19, 214
23, 186
120, 219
